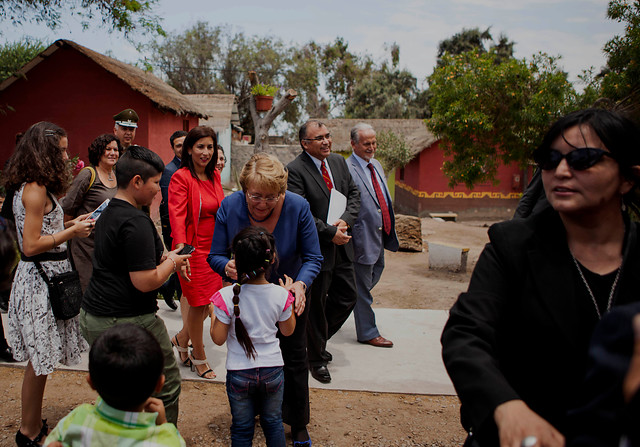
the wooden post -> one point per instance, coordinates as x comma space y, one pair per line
261, 124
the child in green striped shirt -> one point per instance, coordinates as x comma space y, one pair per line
125, 368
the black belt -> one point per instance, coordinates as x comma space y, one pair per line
42, 257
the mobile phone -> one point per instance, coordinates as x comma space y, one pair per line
98, 211
187, 250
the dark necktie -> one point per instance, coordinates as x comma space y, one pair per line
386, 217
325, 176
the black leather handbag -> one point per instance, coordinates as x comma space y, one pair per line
65, 293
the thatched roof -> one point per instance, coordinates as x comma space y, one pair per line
221, 109
414, 131
159, 92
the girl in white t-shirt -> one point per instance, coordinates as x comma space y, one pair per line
246, 315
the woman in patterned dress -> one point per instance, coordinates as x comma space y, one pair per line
38, 174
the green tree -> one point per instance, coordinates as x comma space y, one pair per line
392, 151
205, 59
188, 59
126, 16
474, 40
489, 113
621, 78
304, 73
387, 92
13, 55
342, 71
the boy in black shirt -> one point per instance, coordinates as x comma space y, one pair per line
128, 265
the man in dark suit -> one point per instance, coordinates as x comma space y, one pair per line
313, 174
172, 285
373, 231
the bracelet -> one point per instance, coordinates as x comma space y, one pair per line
175, 266
304, 286
54, 240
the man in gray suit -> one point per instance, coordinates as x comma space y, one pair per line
373, 231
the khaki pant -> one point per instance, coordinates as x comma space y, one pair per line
92, 326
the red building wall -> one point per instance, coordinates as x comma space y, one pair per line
422, 188
71, 90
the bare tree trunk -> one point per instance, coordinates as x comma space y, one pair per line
261, 124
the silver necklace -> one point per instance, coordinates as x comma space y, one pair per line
593, 298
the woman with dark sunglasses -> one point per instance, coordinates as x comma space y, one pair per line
515, 345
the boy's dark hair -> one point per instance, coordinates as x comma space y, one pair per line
98, 147
192, 138
137, 160
125, 363
254, 250
177, 134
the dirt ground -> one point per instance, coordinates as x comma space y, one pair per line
338, 418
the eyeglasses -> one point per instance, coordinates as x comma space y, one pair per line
319, 138
578, 160
260, 199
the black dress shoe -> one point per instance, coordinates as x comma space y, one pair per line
6, 355
321, 374
166, 293
170, 302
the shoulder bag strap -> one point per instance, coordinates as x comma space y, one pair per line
42, 273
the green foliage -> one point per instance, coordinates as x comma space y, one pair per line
343, 70
392, 151
622, 76
329, 78
387, 92
489, 113
466, 40
206, 59
14, 55
126, 16
262, 89
473, 40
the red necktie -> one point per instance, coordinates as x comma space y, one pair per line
325, 176
386, 217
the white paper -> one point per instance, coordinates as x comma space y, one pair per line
337, 206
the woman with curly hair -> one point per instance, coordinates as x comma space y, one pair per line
92, 186
38, 173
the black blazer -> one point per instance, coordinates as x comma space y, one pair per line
517, 332
306, 180
603, 416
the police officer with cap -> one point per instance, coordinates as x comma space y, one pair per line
125, 127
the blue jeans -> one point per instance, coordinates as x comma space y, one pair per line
251, 392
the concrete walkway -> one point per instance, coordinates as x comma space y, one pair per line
413, 365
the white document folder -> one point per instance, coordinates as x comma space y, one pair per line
337, 206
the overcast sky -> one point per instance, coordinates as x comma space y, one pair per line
574, 29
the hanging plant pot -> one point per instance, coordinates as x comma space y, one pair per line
263, 103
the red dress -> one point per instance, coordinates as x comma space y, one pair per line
193, 205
